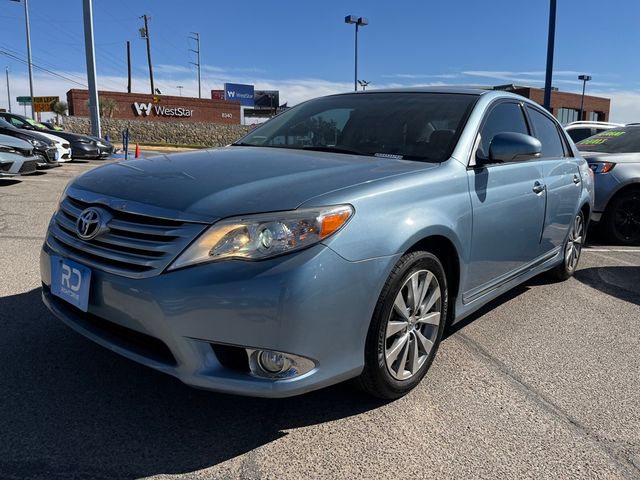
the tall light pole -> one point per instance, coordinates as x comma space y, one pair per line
550, 47
358, 22
87, 8
26, 21
179, 87
364, 84
585, 79
8, 90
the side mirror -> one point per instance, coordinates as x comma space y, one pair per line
511, 146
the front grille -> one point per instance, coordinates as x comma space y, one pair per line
134, 245
28, 166
51, 154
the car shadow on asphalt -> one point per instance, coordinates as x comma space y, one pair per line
72, 408
8, 182
619, 282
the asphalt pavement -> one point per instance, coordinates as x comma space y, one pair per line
543, 383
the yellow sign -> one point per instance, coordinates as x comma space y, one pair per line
45, 99
43, 104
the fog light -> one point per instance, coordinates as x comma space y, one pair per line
273, 362
276, 365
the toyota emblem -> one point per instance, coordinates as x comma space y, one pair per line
89, 223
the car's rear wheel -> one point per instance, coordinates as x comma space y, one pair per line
622, 219
407, 326
572, 249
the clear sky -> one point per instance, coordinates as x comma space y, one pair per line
304, 49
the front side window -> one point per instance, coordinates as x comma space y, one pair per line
547, 132
404, 125
503, 118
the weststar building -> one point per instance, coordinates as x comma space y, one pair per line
165, 108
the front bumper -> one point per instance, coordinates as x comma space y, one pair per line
86, 150
312, 303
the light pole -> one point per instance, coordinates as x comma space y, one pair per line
26, 21
8, 90
90, 53
550, 47
358, 22
585, 79
179, 87
364, 84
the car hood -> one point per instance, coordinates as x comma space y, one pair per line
71, 137
16, 144
53, 138
611, 157
213, 184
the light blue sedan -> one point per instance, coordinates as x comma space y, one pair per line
335, 242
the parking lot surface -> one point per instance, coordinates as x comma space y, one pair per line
542, 383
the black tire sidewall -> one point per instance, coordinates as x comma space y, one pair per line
610, 215
375, 359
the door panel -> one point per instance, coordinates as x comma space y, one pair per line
563, 194
508, 219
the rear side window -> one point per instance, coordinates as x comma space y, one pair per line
504, 117
547, 132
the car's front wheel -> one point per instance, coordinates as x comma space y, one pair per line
406, 327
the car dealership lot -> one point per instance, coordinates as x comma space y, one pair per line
541, 384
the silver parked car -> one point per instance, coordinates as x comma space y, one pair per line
336, 241
614, 157
16, 157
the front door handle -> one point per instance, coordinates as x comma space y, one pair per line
576, 179
538, 187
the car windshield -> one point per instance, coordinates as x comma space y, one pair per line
38, 125
616, 140
412, 126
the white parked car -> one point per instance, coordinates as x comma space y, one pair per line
63, 146
585, 129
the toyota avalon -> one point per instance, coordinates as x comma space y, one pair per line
336, 241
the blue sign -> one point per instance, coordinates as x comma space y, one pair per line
238, 92
70, 281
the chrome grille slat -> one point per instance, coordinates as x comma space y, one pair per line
127, 248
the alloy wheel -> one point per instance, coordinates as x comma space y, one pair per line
413, 324
574, 243
627, 218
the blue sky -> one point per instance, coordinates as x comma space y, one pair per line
304, 49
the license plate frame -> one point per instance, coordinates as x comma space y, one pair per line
70, 281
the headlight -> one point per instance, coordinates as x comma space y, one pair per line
84, 140
601, 167
257, 237
102, 145
37, 143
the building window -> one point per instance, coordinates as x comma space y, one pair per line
596, 116
567, 115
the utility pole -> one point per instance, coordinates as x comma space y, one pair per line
144, 33
8, 90
26, 21
128, 66
91, 68
196, 37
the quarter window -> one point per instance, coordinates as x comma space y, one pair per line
504, 117
546, 131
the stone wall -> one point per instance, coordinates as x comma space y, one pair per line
148, 131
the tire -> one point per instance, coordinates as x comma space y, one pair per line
571, 250
401, 347
622, 218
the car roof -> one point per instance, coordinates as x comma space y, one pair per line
439, 89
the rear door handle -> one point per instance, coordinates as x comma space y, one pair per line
576, 179
538, 187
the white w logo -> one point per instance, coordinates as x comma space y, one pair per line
142, 108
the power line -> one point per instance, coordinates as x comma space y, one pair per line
46, 70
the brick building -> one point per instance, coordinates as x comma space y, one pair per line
165, 108
565, 106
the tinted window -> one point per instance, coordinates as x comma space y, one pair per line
505, 117
414, 126
578, 134
616, 140
547, 132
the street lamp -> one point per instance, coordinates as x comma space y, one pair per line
26, 20
585, 79
364, 84
358, 22
179, 87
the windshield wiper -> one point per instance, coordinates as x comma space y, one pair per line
320, 148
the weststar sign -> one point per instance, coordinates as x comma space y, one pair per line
146, 109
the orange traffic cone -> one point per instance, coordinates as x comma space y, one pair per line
137, 155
